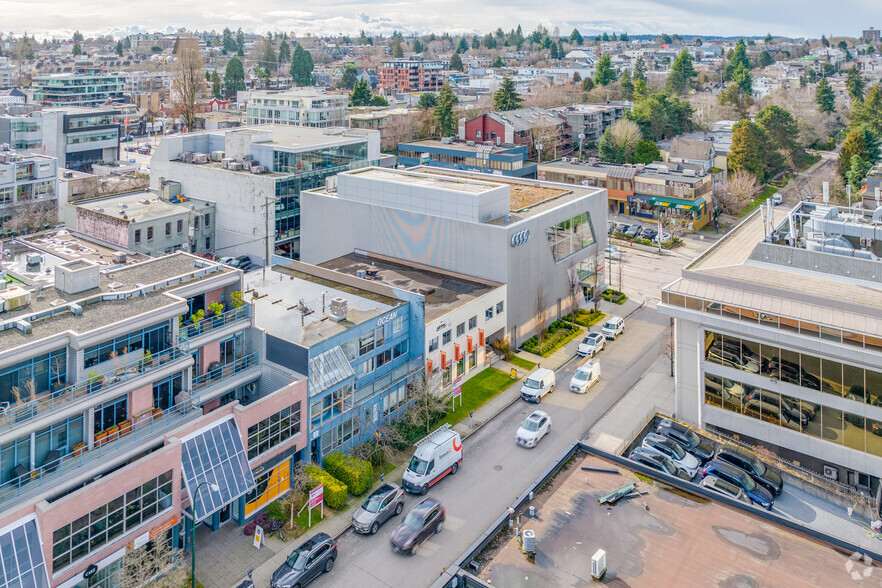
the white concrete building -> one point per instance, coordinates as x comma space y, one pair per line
26, 179
303, 107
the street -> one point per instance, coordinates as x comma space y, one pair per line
495, 471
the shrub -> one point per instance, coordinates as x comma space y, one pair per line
335, 490
504, 348
614, 296
262, 519
556, 335
585, 318
216, 308
356, 473
277, 511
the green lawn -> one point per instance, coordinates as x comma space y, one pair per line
810, 160
477, 391
522, 363
764, 195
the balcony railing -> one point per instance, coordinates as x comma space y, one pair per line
223, 372
31, 408
188, 331
135, 435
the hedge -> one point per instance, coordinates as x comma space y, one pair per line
357, 474
335, 490
556, 336
585, 318
614, 296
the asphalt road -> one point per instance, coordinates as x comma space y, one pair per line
495, 471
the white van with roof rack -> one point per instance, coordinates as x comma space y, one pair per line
437, 454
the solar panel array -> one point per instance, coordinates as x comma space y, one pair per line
21, 558
216, 456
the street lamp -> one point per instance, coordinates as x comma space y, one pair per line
216, 488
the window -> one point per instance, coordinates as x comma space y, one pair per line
488, 314
473, 322
268, 486
433, 345
383, 358
570, 236
137, 235
460, 329
478, 134
149, 233
399, 349
46, 371
397, 324
122, 515
155, 339
366, 367
499, 307
180, 227
366, 343
167, 229
196, 222
445, 338
207, 243
207, 219
274, 430
111, 413
379, 337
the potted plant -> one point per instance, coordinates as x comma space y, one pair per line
95, 381
215, 309
124, 427
156, 411
78, 449
236, 299
196, 317
100, 438
146, 360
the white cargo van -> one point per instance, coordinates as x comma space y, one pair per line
585, 376
437, 454
537, 385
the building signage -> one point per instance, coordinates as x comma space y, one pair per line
90, 571
385, 319
163, 527
316, 496
520, 237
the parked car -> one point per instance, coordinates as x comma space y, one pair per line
226, 260
537, 385
585, 376
424, 520
725, 488
657, 462
664, 237
769, 403
384, 502
243, 262
692, 442
613, 327
649, 234
733, 475
734, 347
592, 344
776, 199
791, 372
728, 389
437, 454
622, 228
660, 445
717, 354
634, 231
743, 459
533, 429
306, 563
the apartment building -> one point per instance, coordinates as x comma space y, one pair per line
400, 76
124, 389
502, 159
648, 192
248, 171
870, 35
305, 108
590, 120
778, 340
21, 132
80, 137
86, 87
524, 126
26, 179
146, 82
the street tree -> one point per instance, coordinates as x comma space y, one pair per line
540, 313
682, 73
187, 83
155, 564
736, 192
302, 66
824, 96
445, 113
604, 73
855, 84
506, 97
234, 77
426, 405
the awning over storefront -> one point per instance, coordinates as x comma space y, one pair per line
642, 197
328, 369
679, 203
215, 455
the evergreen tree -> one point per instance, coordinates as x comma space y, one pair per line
752, 150
456, 62
489, 41
857, 171
228, 43
554, 54
824, 96
234, 77
397, 51
78, 37
445, 112
350, 76
764, 59
119, 48
240, 42
463, 45
427, 100
377, 100
743, 80
587, 85
506, 97
577, 78
646, 152
497, 62
824, 41
869, 112
782, 130
361, 94
576, 38
627, 85
860, 142
605, 39
855, 84
216, 88
660, 116
681, 74
284, 51
768, 38
624, 37
738, 58
77, 49
302, 66
641, 91
604, 73
640, 69
417, 47
268, 56
476, 42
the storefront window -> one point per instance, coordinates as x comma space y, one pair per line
570, 236
269, 486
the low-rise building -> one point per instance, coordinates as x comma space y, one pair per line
26, 180
525, 126
85, 87
302, 107
410, 75
80, 137
502, 159
589, 120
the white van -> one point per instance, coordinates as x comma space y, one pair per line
437, 454
586, 375
537, 385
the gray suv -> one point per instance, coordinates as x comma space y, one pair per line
384, 502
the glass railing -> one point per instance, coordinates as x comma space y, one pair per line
219, 374
206, 325
98, 380
135, 435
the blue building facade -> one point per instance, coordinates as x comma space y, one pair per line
504, 160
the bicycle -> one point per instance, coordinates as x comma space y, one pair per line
277, 528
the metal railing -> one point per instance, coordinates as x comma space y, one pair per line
223, 372
97, 381
53, 471
190, 330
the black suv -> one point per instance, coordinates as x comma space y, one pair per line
791, 372
760, 472
689, 440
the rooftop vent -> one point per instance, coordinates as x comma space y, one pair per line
338, 308
76, 276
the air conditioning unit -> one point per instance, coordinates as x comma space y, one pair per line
470, 143
831, 473
529, 541
563, 159
598, 564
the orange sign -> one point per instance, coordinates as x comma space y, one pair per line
481, 337
163, 527
443, 360
470, 348
429, 366
456, 351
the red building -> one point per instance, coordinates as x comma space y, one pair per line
524, 126
405, 75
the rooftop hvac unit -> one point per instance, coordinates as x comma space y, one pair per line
446, 140
226, 161
257, 169
68, 174
76, 276
689, 172
470, 143
14, 297
831, 473
338, 308
529, 541
245, 164
236, 166
598, 564
34, 259
217, 156
118, 257
200, 158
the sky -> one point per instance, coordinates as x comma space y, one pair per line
793, 18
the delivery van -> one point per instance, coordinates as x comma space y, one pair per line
537, 385
437, 454
585, 376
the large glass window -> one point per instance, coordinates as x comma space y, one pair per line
164, 392
273, 431
570, 236
155, 339
330, 406
111, 413
38, 375
366, 343
268, 486
52, 443
105, 524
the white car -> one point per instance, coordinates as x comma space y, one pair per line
659, 445
613, 327
534, 427
613, 252
591, 344
663, 236
585, 376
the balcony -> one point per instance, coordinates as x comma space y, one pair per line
225, 372
205, 326
59, 473
98, 381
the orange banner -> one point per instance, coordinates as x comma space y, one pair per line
481, 337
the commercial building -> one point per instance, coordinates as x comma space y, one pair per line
502, 159
778, 339
648, 192
359, 342
305, 108
152, 223
86, 87
80, 137
541, 240
21, 132
248, 171
123, 388
399, 76
25, 179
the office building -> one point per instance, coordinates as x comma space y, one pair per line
123, 388
86, 87
80, 137
305, 108
778, 339
400, 76
541, 240
21, 132
249, 171
26, 179
502, 159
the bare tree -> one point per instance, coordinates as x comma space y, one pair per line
427, 403
707, 110
110, 185
379, 446
575, 287
541, 313
549, 138
31, 217
187, 83
828, 174
625, 135
155, 565
735, 193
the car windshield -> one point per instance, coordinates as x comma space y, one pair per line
759, 466
418, 465
372, 504
531, 424
531, 383
668, 465
748, 483
297, 560
580, 376
611, 326
676, 450
413, 521
692, 438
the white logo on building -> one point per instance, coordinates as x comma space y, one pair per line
520, 237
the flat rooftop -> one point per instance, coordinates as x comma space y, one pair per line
443, 291
139, 206
462, 146
288, 304
679, 539
420, 179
